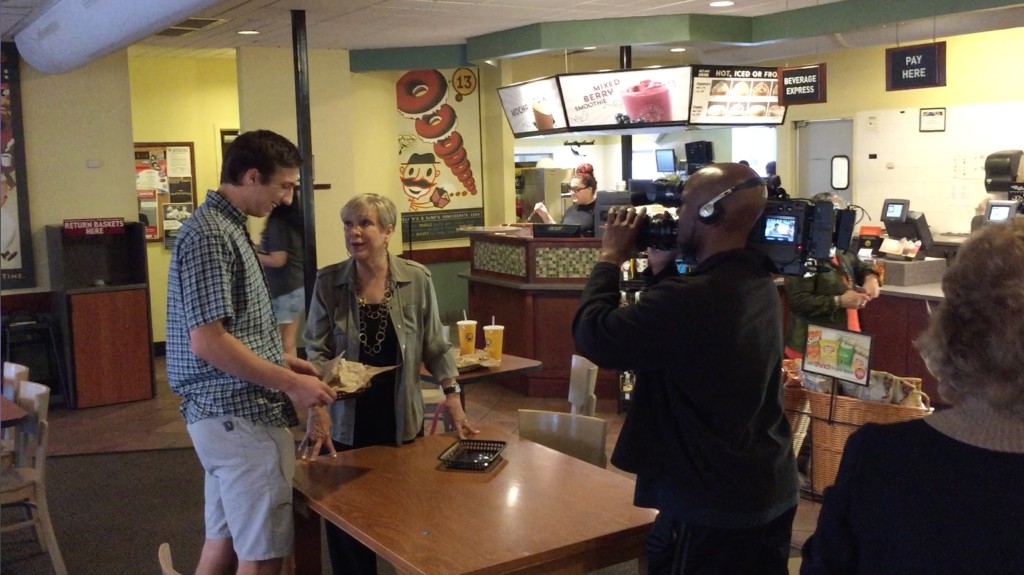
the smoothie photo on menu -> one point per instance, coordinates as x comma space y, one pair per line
648, 101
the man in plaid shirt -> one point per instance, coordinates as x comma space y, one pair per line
226, 361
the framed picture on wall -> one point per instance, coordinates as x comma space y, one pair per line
933, 120
17, 264
165, 177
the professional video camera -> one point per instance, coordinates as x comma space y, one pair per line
793, 233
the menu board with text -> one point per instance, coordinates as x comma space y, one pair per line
735, 95
533, 107
622, 98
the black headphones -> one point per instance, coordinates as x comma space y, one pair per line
711, 212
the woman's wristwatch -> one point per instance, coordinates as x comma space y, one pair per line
453, 388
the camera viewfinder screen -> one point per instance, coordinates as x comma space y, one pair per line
780, 229
998, 213
894, 211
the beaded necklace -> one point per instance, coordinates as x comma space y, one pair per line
375, 312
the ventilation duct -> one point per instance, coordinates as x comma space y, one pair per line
71, 33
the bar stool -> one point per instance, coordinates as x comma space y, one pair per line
28, 338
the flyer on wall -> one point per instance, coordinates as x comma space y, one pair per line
730, 95
648, 96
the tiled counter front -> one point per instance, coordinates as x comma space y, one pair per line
532, 286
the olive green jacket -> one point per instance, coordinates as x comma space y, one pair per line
812, 299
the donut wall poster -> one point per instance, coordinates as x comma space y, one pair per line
439, 152
17, 265
736, 95
627, 97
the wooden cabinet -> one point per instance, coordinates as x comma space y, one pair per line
110, 348
101, 300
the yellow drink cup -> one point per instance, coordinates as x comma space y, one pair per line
493, 336
467, 336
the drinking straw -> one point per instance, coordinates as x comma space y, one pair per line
464, 315
492, 320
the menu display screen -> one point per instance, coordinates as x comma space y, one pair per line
533, 107
625, 98
735, 95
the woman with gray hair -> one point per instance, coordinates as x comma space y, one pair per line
944, 494
379, 310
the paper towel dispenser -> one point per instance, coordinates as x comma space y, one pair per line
1002, 169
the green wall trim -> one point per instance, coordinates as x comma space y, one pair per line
577, 34
414, 58
843, 16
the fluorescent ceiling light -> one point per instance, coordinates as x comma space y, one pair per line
677, 50
248, 32
721, 4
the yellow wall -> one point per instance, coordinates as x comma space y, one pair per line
181, 100
69, 119
976, 73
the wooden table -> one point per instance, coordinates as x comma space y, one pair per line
535, 511
510, 365
10, 412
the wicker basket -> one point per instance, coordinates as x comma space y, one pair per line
831, 429
797, 411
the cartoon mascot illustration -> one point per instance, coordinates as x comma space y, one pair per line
419, 180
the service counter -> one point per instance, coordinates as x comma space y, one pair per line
895, 320
532, 286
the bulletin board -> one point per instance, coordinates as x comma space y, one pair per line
941, 171
165, 177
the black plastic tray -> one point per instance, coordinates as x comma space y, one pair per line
474, 454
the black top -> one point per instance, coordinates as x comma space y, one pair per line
705, 433
582, 215
908, 499
375, 409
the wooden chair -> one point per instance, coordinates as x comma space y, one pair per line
582, 382
166, 565
580, 436
14, 374
25, 483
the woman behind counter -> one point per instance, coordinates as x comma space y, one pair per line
583, 187
378, 310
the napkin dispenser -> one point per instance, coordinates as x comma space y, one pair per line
1002, 169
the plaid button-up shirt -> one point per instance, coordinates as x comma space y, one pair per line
215, 276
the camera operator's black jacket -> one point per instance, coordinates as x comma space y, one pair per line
705, 433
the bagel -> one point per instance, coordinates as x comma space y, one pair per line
420, 92
466, 176
436, 125
448, 146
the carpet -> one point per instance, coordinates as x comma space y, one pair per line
111, 511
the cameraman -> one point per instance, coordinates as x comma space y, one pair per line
705, 434
832, 297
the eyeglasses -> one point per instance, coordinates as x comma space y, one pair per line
577, 190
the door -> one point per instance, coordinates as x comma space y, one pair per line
817, 142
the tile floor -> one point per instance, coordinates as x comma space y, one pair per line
156, 424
